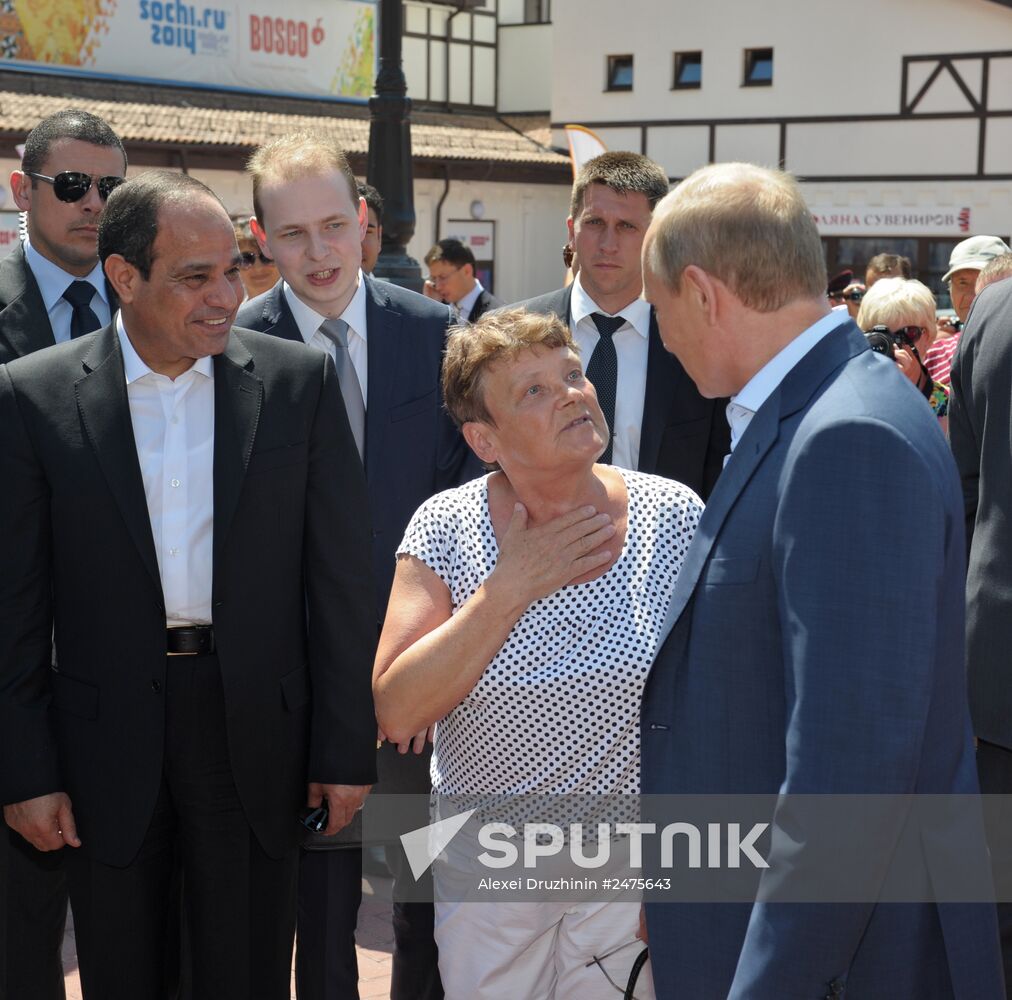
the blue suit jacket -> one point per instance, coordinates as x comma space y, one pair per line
412, 448
816, 646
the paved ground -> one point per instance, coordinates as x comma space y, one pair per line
375, 942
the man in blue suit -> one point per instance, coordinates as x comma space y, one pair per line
387, 344
816, 641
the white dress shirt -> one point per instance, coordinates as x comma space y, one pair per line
632, 342
308, 321
173, 422
466, 304
53, 281
744, 405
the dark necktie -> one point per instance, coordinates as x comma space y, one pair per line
79, 294
602, 370
336, 331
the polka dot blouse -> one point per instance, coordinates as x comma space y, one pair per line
557, 709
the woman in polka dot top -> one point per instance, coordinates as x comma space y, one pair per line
524, 616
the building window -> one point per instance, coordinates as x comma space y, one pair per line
537, 11
758, 68
688, 71
620, 73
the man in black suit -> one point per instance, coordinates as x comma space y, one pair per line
979, 413
40, 282
452, 279
659, 421
182, 498
387, 343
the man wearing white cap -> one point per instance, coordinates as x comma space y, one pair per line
966, 261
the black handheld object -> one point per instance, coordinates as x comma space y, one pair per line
315, 819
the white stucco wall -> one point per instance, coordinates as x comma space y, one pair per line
525, 67
828, 59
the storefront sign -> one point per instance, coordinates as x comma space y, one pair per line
479, 236
319, 48
855, 220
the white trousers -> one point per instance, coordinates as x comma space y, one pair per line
538, 951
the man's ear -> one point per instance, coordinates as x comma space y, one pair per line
702, 291
363, 218
123, 276
21, 188
478, 439
259, 235
569, 229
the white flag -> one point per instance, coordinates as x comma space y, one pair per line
583, 146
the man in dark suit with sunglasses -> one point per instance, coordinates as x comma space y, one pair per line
51, 289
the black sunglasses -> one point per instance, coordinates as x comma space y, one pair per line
72, 185
854, 296
249, 258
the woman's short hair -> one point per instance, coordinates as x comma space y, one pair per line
495, 338
891, 301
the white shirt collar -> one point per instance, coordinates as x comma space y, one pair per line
53, 281
134, 367
636, 314
466, 304
763, 384
308, 320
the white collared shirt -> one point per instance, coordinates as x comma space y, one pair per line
632, 342
173, 423
745, 404
466, 304
53, 281
308, 321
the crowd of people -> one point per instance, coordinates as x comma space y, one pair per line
276, 530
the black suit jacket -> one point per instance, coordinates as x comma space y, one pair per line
24, 322
485, 302
980, 411
412, 448
290, 535
683, 436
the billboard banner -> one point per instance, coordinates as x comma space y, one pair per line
315, 48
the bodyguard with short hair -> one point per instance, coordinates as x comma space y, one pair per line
658, 421
51, 289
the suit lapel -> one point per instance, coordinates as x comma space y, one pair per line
661, 384
383, 327
761, 435
238, 396
24, 322
105, 415
277, 316
563, 307
792, 395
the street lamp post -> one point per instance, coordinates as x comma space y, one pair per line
389, 164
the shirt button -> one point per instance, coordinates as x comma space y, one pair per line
173, 552
175, 482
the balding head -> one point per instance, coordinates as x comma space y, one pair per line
745, 225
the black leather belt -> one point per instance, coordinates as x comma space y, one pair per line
189, 640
